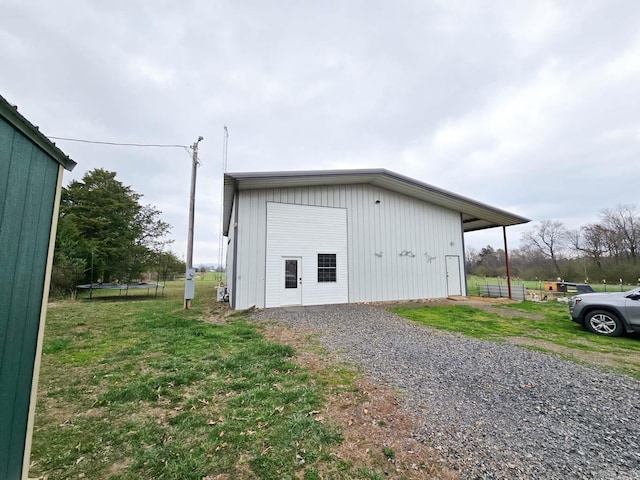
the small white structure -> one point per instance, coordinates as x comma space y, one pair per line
325, 237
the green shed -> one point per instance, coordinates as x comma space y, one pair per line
31, 168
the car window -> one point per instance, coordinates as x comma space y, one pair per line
584, 288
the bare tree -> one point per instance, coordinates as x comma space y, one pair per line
590, 240
550, 238
624, 224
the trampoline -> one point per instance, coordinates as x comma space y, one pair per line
121, 287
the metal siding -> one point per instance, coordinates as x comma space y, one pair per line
304, 231
244, 230
231, 246
353, 244
25, 225
250, 274
260, 248
403, 223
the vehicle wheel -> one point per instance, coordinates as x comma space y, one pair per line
604, 323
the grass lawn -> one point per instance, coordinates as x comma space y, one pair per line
543, 326
140, 388
475, 285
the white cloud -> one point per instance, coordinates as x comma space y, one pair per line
625, 66
534, 24
143, 71
522, 105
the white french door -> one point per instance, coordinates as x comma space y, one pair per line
291, 281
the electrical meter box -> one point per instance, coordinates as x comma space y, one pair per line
190, 284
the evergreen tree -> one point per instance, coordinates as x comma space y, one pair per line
103, 224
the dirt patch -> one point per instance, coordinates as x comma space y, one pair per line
119, 466
221, 314
479, 302
505, 312
54, 304
483, 303
377, 433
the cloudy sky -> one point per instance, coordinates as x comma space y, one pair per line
530, 106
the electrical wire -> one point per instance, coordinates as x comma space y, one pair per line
117, 144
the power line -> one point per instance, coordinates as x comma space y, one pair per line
117, 144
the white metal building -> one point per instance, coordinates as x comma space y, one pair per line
324, 237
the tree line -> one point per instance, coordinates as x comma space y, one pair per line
106, 235
607, 250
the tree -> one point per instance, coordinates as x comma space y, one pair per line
102, 223
550, 238
491, 262
168, 264
150, 240
590, 240
624, 222
529, 263
68, 258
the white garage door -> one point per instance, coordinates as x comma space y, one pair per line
310, 244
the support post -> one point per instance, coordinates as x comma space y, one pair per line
91, 284
506, 260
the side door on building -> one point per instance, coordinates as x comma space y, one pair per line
454, 281
291, 281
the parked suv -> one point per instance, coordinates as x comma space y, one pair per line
609, 314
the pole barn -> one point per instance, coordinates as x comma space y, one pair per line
31, 168
346, 236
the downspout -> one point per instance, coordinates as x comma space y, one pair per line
234, 288
506, 260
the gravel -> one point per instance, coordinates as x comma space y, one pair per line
493, 410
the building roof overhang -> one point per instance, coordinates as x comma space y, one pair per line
475, 215
15, 118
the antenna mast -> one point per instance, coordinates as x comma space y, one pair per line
225, 143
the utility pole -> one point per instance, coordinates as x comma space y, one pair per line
189, 285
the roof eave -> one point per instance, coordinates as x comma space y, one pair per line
229, 191
11, 114
484, 216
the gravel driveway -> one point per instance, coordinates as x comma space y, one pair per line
495, 410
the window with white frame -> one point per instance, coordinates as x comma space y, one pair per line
326, 267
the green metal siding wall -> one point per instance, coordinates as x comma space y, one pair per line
27, 192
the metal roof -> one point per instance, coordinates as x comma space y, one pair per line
11, 114
475, 215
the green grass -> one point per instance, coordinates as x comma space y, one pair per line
551, 331
141, 388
